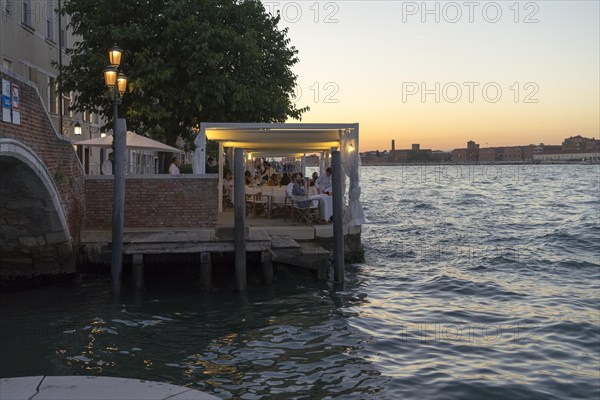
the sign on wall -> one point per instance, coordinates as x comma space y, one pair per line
16, 105
5, 100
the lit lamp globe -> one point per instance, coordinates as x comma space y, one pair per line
114, 55
121, 83
110, 76
77, 129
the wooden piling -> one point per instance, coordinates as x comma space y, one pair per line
205, 271
118, 217
239, 220
338, 224
267, 266
138, 270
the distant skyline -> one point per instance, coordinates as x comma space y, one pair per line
369, 61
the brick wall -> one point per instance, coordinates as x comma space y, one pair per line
37, 133
185, 201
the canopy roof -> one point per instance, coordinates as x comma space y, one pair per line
281, 138
134, 141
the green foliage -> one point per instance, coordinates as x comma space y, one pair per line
187, 61
186, 169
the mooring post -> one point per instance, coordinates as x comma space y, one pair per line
338, 227
267, 266
138, 270
205, 271
239, 219
119, 141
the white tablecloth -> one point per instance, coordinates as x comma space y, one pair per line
326, 203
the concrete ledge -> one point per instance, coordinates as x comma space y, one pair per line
154, 177
94, 388
306, 232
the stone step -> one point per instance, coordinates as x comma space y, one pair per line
311, 256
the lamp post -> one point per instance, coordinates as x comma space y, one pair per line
118, 83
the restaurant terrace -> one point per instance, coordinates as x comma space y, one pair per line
266, 140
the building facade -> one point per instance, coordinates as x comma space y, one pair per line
33, 41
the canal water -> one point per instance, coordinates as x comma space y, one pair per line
479, 282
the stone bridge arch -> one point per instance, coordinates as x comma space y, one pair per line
34, 234
42, 190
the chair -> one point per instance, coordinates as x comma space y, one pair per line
256, 203
305, 209
278, 205
227, 197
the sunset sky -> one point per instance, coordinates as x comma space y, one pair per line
375, 57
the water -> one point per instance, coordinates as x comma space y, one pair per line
479, 282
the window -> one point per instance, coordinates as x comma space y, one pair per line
7, 7
67, 105
50, 18
6, 63
63, 34
27, 12
52, 103
33, 74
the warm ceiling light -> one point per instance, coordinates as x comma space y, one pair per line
110, 76
121, 83
114, 55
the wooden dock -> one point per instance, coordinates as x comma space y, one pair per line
274, 246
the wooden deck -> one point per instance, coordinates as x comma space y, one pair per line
279, 242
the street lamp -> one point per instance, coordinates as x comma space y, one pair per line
77, 128
118, 83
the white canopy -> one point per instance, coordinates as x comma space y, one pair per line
134, 141
277, 139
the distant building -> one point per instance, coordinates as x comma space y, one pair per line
459, 155
440, 156
562, 156
488, 154
512, 154
468, 155
577, 143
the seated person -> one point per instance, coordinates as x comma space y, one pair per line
313, 181
298, 190
290, 186
285, 179
273, 181
248, 178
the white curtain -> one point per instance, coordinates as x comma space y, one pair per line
351, 165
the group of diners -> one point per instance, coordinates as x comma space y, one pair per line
314, 192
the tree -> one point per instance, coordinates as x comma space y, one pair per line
186, 60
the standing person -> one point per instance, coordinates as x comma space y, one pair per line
324, 182
269, 171
228, 187
210, 168
174, 168
107, 165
